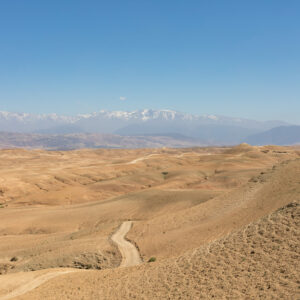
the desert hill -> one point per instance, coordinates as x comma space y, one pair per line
201, 212
220, 215
261, 261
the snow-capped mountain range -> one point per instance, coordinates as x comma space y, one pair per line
210, 129
139, 115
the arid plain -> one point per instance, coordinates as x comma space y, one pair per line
218, 223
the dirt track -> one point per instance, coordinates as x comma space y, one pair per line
130, 255
33, 283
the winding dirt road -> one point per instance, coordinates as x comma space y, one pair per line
130, 254
130, 257
33, 283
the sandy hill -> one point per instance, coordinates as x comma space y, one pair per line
201, 212
261, 261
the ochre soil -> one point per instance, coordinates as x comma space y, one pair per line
208, 215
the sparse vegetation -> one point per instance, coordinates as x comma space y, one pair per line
14, 258
253, 179
165, 173
152, 259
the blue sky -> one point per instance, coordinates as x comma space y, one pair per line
234, 58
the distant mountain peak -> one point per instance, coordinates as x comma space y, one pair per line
142, 115
209, 128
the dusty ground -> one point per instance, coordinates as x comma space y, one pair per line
130, 254
191, 210
260, 261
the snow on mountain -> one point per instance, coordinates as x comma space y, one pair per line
140, 115
25, 117
207, 128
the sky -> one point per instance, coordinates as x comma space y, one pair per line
233, 58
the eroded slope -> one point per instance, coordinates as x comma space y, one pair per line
260, 261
